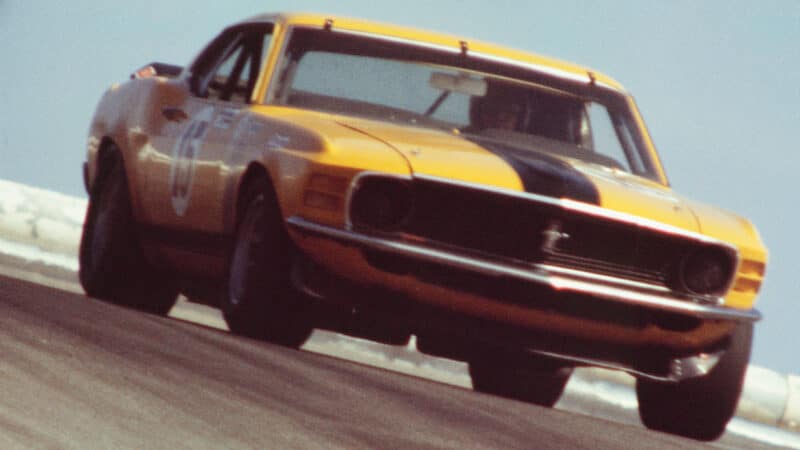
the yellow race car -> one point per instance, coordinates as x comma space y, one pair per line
507, 209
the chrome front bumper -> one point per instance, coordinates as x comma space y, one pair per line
559, 279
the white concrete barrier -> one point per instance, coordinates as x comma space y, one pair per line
43, 226
791, 414
42, 219
764, 397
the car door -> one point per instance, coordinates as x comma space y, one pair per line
185, 181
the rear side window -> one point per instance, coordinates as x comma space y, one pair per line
229, 67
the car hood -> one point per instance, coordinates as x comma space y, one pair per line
499, 164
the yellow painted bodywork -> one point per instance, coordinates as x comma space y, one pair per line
311, 158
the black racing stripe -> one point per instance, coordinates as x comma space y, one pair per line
542, 173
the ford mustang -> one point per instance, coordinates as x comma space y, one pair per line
507, 209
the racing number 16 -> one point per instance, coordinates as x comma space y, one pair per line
184, 160
184, 154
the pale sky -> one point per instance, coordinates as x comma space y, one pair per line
717, 81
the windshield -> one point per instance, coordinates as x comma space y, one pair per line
400, 83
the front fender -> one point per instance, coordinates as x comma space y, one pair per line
753, 255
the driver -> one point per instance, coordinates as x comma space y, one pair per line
501, 108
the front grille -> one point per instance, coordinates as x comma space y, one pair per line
518, 229
483, 221
617, 250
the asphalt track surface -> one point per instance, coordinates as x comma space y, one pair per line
79, 373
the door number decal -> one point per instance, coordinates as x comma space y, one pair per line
184, 155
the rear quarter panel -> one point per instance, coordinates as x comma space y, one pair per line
128, 115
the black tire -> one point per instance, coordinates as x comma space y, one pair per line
259, 300
523, 378
699, 408
112, 266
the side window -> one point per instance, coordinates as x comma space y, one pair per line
231, 79
229, 67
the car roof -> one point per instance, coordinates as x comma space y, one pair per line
537, 62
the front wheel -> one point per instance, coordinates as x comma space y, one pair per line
699, 408
259, 300
527, 379
112, 266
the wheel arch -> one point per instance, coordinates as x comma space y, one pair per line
254, 171
100, 165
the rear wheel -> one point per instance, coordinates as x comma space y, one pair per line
259, 300
699, 408
524, 378
112, 266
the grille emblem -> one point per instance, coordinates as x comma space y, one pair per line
552, 235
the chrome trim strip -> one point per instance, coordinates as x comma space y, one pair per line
650, 298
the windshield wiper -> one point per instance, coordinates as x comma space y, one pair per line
437, 103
